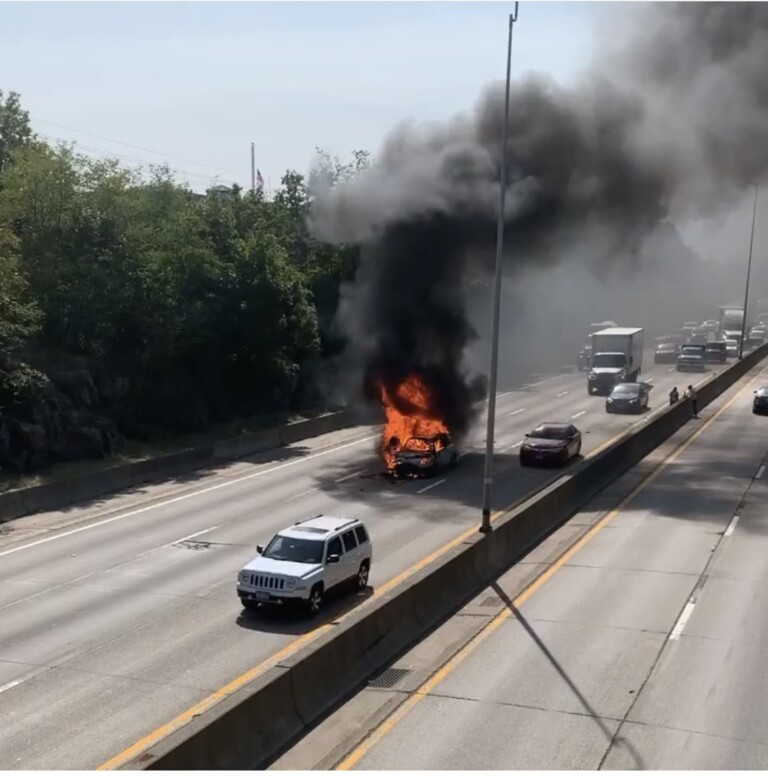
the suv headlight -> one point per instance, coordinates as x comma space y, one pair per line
243, 576
592, 376
290, 584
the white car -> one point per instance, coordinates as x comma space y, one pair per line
302, 563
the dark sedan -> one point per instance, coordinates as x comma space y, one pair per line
760, 402
550, 443
666, 353
628, 397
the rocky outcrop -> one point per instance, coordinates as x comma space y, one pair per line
63, 416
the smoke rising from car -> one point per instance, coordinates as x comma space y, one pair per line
671, 122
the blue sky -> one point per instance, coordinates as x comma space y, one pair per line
199, 81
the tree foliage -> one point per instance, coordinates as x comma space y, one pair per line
206, 306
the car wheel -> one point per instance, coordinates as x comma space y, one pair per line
315, 601
362, 575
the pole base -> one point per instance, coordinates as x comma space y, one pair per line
485, 526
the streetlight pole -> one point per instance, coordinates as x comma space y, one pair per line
749, 271
485, 526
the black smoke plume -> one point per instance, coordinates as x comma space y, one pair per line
671, 121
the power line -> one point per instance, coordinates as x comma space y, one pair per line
94, 149
136, 147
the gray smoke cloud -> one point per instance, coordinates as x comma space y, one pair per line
671, 121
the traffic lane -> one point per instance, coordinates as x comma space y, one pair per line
584, 644
704, 705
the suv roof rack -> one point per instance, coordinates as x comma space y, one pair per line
307, 519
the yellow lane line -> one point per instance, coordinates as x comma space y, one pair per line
357, 754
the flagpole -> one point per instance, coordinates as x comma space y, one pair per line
253, 168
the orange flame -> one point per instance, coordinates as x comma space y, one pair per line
419, 421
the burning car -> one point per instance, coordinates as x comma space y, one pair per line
423, 456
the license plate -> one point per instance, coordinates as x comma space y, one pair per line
261, 596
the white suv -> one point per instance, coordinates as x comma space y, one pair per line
303, 562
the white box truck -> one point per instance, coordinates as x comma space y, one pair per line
617, 357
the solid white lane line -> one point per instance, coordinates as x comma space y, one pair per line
564, 393
732, 525
578, 414
680, 624
649, 380
429, 487
516, 412
186, 496
760, 473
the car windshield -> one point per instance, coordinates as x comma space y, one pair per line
610, 360
549, 432
626, 390
688, 350
716, 346
295, 550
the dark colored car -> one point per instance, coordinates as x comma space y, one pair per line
666, 353
628, 397
425, 456
760, 402
550, 443
715, 352
692, 359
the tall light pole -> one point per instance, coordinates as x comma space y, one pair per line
485, 526
749, 271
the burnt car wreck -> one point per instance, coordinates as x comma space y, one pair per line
421, 456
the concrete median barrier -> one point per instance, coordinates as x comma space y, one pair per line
339, 662
255, 718
64, 493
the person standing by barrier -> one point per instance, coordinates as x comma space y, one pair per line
694, 397
674, 396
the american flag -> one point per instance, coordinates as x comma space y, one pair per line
259, 180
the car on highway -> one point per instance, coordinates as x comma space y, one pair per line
756, 335
710, 325
760, 401
691, 359
690, 326
628, 397
666, 353
731, 348
715, 352
301, 564
424, 456
550, 443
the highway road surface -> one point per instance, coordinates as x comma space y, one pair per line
634, 638
120, 619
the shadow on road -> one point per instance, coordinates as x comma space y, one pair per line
613, 739
294, 622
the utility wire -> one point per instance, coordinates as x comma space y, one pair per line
141, 161
136, 147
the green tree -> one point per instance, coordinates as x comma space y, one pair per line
19, 314
15, 130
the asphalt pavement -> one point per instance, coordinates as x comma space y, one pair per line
635, 637
120, 615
